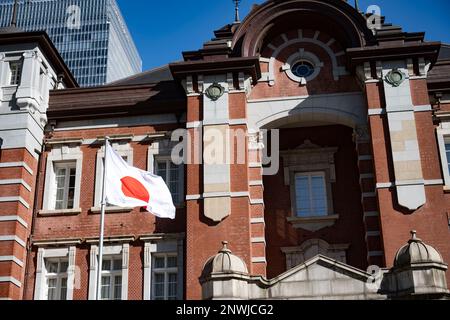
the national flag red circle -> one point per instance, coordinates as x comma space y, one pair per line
133, 188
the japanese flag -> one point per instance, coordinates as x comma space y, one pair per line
127, 186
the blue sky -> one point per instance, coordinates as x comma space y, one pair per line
163, 29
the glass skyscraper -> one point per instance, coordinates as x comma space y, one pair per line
91, 36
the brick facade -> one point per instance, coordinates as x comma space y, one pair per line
345, 107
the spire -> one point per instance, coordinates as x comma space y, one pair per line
236, 10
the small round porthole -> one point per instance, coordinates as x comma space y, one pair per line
303, 69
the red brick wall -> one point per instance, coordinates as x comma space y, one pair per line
15, 208
430, 221
349, 229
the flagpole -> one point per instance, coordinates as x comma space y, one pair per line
102, 228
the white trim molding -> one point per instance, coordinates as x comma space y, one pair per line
12, 259
443, 137
16, 165
62, 153
14, 218
15, 199
11, 280
72, 273
22, 182
111, 250
162, 246
13, 238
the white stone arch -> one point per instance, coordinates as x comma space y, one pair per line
337, 69
348, 109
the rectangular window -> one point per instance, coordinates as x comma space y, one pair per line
173, 176
112, 278
311, 194
447, 152
16, 72
165, 277
56, 279
65, 174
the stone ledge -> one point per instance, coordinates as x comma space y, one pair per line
446, 189
66, 212
111, 210
313, 223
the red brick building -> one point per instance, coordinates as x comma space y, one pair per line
357, 121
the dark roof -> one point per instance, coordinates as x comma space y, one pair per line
84, 103
11, 35
445, 52
151, 76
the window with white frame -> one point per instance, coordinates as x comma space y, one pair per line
125, 151
112, 278
63, 179
311, 194
165, 277
15, 68
172, 175
447, 152
65, 176
56, 279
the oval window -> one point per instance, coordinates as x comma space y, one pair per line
303, 69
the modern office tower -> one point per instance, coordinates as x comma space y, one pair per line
91, 36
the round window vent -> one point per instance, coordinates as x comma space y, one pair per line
303, 69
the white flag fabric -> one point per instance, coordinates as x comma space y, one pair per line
127, 186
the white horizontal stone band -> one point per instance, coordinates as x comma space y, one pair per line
16, 165
258, 240
257, 221
15, 199
14, 218
254, 183
11, 280
259, 260
218, 195
12, 259
387, 185
13, 238
15, 181
380, 111
256, 201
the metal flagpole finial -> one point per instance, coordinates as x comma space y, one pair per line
236, 10
14, 14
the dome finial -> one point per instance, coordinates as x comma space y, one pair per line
414, 237
225, 247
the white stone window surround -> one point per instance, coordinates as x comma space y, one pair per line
309, 158
151, 248
62, 153
108, 251
311, 248
307, 56
162, 150
10, 58
40, 282
443, 136
123, 149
